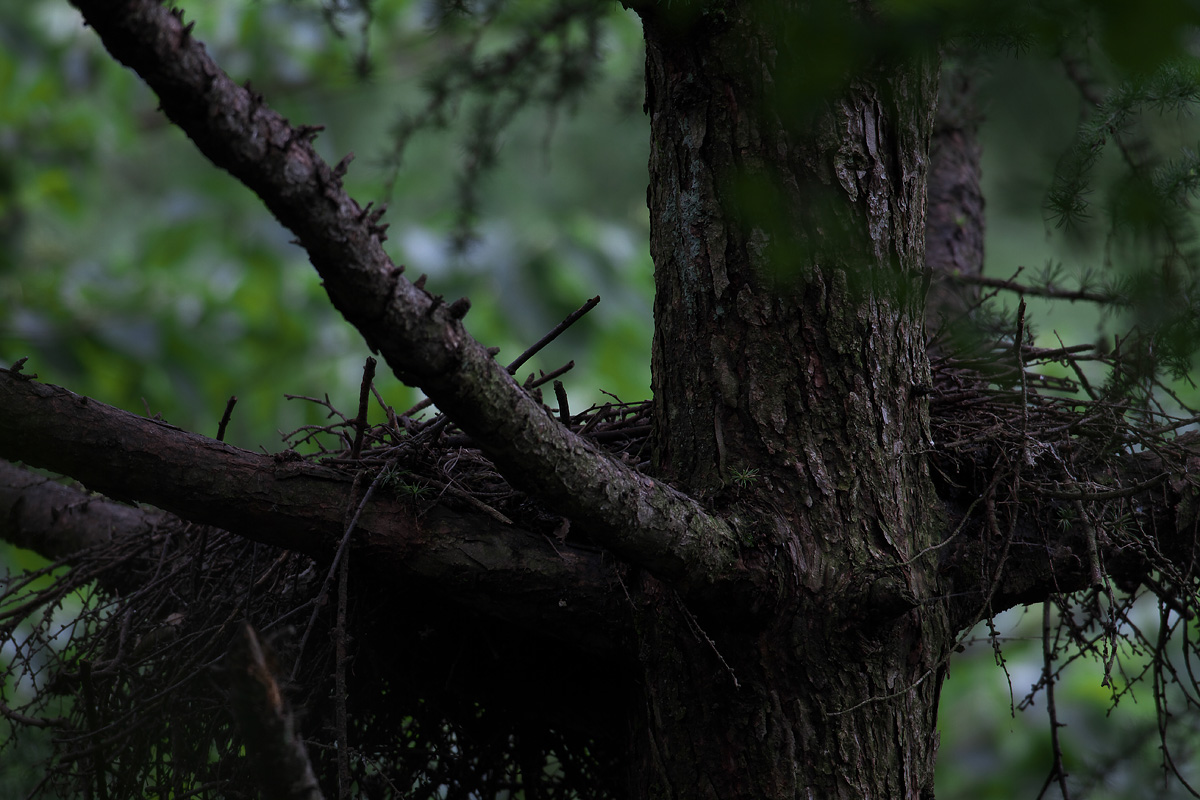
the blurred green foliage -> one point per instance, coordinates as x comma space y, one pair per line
133, 272
996, 732
1036, 123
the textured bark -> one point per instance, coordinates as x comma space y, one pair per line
787, 236
57, 521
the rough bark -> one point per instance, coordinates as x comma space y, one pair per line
787, 235
56, 521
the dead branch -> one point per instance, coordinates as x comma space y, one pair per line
1050, 290
263, 714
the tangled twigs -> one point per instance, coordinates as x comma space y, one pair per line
1059, 458
149, 615
435, 460
412, 455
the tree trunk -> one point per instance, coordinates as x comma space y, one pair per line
788, 237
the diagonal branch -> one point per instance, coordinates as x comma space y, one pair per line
467, 558
267, 721
421, 337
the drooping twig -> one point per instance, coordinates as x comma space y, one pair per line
93, 719
1058, 770
339, 675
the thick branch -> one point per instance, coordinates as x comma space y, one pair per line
57, 521
421, 337
466, 557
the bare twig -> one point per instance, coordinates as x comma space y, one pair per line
1051, 291
364, 394
564, 409
341, 660
225, 417
552, 335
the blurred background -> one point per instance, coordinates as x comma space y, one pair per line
133, 272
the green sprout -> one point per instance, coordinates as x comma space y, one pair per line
397, 479
745, 478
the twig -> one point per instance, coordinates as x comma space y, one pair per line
1112, 494
700, 633
225, 417
549, 376
1058, 770
339, 677
337, 559
552, 335
364, 394
33, 722
564, 409
1041, 291
596, 418
17, 366
469, 498
93, 720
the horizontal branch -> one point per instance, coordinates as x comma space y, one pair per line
420, 336
57, 521
1051, 291
466, 558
